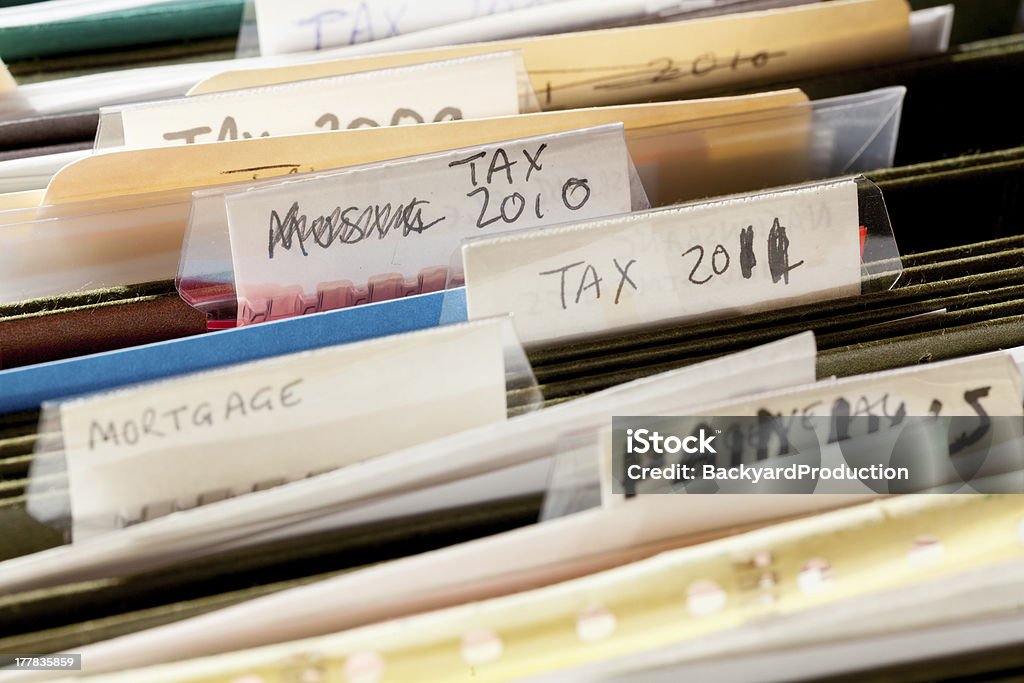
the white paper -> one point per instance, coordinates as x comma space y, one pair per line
301, 25
172, 444
476, 453
475, 87
561, 16
555, 550
136, 85
680, 263
403, 217
536, 555
951, 388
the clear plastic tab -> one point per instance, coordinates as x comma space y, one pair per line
57, 249
123, 457
574, 484
138, 238
950, 428
384, 231
826, 138
578, 478
500, 461
476, 87
698, 261
248, 44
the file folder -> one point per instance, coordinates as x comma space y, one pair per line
499, 553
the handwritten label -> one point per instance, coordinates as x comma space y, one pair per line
665, 60
858, 409
475, 87
302, 25
140, 453
892, 420
407, 216
725, 258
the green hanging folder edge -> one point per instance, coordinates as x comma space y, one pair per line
162, 23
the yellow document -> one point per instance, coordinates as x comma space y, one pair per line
708, 589
22, 200
115, 174
634, 64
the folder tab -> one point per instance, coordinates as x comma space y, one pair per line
522, 444
471, 88
635, 64
302, 25
128, 225
721, 258
173, 444
389, 230
952, 427
116, 173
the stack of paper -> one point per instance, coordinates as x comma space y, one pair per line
558, 340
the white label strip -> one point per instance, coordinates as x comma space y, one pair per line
733, 256
142, 452
971, 390
409, 215
967, 387
302, 25
474, 87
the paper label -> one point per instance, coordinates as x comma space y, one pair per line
405, 216
729, 257
140, 453
475, 87
303, 25
989, 384
853, 422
